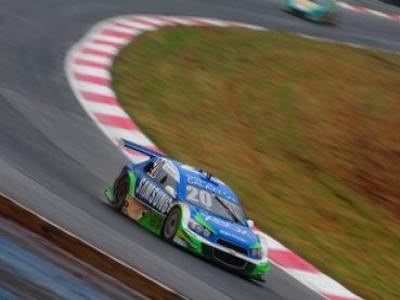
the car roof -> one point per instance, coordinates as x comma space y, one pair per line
199, 178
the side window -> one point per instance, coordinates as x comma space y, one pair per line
160, 171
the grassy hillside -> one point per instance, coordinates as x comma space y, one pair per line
307, 133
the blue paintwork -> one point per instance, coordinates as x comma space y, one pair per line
236, 233
239, 234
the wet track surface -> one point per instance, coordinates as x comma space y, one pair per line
55, 161
30, 267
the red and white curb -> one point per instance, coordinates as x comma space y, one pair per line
88, 66
365, 10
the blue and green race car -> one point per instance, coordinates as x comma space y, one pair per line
191, 208
320, 11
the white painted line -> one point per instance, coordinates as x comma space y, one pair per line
376, 13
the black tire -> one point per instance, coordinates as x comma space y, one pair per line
121, 190
171, 224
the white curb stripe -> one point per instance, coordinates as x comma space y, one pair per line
96, 58
103, 48
137, 26
133, 30
107, 109
112, 39
95, 88
92, 71
152, 20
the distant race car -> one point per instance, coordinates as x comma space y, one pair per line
321, 11
191, 208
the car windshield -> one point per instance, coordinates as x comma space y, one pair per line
216, 204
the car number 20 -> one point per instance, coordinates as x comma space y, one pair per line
199, 195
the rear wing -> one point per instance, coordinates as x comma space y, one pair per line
141, 149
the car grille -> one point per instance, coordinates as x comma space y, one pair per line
229, 259
232, 246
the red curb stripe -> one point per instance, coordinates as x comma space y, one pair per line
84, 62
334, 297
118, 23
92, 79
108, 43
117, 34
94, 97
288, 259
394, 17
148, 23
115, 121
97, 52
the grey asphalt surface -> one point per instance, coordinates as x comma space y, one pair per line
54, 160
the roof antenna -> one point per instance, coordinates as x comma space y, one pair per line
207, 174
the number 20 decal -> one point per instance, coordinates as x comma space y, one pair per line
198, 195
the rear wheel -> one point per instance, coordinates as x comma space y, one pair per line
121, 189
171, 224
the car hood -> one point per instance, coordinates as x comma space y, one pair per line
224, 229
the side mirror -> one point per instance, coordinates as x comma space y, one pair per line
250, 223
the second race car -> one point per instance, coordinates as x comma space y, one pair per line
321, 11
191, 208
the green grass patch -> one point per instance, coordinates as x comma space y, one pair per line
306, 132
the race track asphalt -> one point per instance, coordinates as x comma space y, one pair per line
54, 160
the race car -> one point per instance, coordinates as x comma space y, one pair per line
191, 208
321, 11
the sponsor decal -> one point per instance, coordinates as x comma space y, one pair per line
232, 235
154, 196
133, 209
211, 187
226, 224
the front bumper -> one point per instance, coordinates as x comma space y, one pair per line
227, 258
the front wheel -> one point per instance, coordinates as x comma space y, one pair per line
171, 224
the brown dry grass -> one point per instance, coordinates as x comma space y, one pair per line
307, 133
